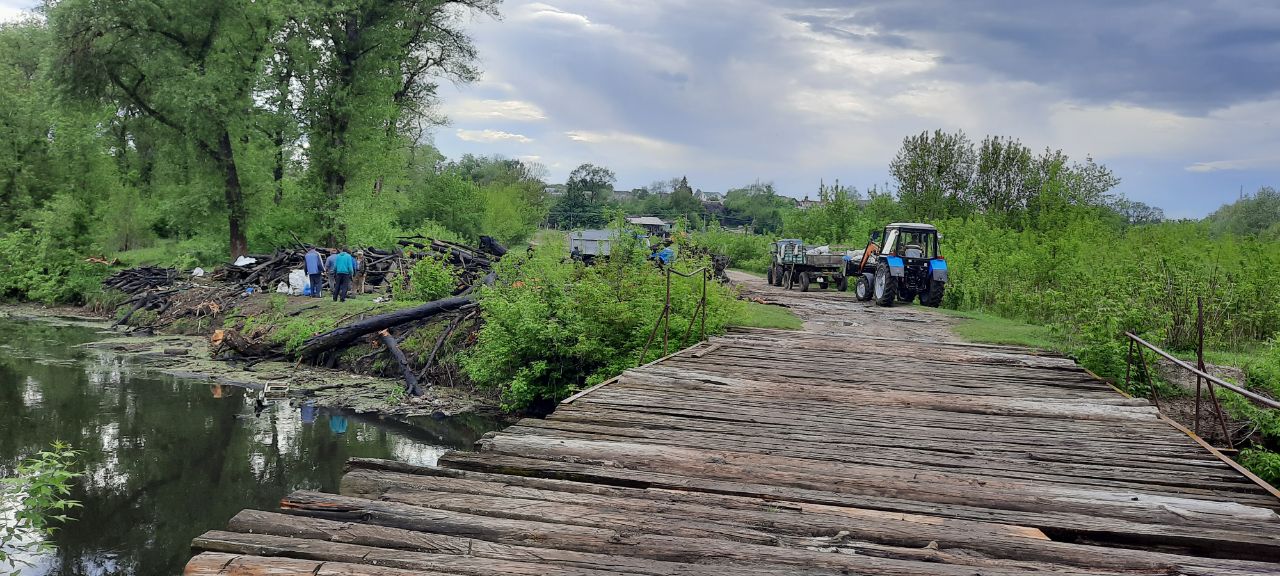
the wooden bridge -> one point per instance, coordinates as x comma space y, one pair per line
852, 456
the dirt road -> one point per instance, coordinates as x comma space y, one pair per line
834, 312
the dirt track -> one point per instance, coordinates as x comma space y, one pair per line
834, 312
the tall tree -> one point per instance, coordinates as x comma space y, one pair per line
933, 172
1002, 181
190, 66
369, 76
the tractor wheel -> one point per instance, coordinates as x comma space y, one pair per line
778, 274
771, 275
933, 298
862, 288
804, 281
843, 284
886, 287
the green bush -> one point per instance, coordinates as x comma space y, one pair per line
745, 251
431, 279
553, 326
1263, 462
33, 500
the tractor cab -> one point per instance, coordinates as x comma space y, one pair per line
902, 262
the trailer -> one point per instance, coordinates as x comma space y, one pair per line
794, 264
587, 245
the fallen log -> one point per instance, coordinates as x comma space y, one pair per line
146, 299
410, 379
344, 335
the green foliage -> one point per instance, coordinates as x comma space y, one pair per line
553, 326
1263, 462
748, 252
430, 280
36, 499
1256, 215
33, 267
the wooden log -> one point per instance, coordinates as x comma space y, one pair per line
393, 349
885, 561
1246, 542
418, 562
146, 299
347, 334
220, 564
293, 526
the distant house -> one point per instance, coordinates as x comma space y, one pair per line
807, 203
625, 195
555, 190
652, 224
705, 196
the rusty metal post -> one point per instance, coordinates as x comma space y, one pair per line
1146, 371
666, 316
1199, 354
702, 329
1128, 365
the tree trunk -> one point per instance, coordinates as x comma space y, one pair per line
234, 195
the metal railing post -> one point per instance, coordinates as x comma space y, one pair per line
1199, 354
666, 315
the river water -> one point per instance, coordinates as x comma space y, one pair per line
165, 458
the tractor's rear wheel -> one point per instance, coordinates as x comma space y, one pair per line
843, 284
862, 288
804, 281
933, 298
886, 287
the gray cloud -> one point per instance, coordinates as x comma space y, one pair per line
796, 91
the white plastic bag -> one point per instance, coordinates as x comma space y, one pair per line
282, 288
297, 281
244, 261
197, 273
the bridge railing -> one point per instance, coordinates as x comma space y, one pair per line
664, 321
1203, 378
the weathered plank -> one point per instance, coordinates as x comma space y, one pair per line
845, 459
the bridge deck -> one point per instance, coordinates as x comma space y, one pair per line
850, 456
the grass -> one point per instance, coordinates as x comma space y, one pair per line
756, 315
984, 328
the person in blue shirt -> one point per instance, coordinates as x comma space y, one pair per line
314, 264
342, 267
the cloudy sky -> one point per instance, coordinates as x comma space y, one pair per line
1180, 97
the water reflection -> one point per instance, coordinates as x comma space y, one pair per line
167, 458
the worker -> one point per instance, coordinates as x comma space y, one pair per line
342, 267
576, 254
315, 270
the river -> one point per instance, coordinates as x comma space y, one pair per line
166, 458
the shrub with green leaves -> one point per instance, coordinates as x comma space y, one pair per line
1263, 462
554, 326
430, 279
36, 499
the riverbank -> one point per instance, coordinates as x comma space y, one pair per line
184, 349
163, 456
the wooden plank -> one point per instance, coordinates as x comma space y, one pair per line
1245, 540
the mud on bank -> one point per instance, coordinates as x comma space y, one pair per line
361, 377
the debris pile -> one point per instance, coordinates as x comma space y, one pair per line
135, 281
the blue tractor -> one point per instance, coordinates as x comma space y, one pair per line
900, 264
